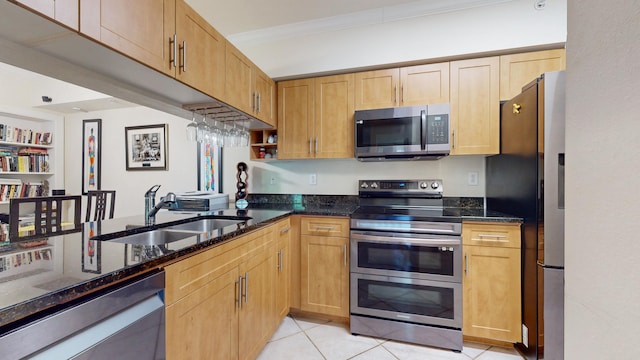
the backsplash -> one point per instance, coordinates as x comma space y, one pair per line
348, 200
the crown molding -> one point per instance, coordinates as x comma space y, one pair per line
358, 19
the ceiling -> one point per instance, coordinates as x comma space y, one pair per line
243, 16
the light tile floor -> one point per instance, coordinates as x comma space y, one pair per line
301, 339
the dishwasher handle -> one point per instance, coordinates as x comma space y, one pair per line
54, 328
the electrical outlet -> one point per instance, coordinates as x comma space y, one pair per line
472, 178
313, 179
273, 180
525, 335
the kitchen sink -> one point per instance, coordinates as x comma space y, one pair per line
204, 225
154, 237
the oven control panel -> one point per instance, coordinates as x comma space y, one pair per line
428, 186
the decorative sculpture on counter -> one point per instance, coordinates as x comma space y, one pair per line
241, 186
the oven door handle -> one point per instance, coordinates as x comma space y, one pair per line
424, 130
396, 240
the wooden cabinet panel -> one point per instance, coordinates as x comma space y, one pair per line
62, 11
483, 234
116, 23
204, 324
283, 278
333, 122
238, 83
324, 226
491, 281
201, 58
492, 293
517, 70
325, 275
376, 89
424, 84
265, 96
256, 312
295, 118
475, 106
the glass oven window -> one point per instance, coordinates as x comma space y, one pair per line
434, 260
422, 300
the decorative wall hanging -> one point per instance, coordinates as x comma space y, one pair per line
209, 167
91, 154
146, 147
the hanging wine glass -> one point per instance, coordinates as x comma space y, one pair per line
203, 129
192, 128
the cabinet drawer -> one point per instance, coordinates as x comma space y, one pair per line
327, 226
491, 234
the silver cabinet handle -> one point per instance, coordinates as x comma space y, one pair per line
466, 264
453, 138
259, 103
280, 260
184, 56
402, 94
310, 145
344, 251
246, 287
239, 292
253, 102
174, 50
395, 94
321, 227
491, 238
285, 230
316, 144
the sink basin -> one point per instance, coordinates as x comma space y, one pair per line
155, 237
204, 225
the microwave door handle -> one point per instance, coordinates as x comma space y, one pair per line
423, 130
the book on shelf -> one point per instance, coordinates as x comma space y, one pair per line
14, 134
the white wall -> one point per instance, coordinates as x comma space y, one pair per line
508, 25
602, 280
131, 185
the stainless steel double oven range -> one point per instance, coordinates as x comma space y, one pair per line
406, 264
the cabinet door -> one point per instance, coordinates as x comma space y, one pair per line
239, 80
517, 70
283, 277
475, 106
295, 118
201, 51
264, 108
491, 293
63, 11
204, 324
116, 23
325, 275
256, 312
334, 107
424, 84
377, 89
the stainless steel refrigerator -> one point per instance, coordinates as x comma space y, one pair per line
527, 179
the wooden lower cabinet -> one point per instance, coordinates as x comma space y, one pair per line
283, 275
221, 303
491, 282
324, 274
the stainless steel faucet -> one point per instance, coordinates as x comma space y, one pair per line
150, 207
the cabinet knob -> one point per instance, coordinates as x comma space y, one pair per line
516, 108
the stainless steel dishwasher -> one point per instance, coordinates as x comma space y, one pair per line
124, 323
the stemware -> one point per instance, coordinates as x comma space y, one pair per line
203, 130
192, 128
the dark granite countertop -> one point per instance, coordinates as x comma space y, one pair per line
63, 271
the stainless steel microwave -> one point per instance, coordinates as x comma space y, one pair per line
402, 133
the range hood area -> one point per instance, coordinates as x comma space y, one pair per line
37, 44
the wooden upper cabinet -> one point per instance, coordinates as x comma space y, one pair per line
117, 24
333, 121
239, 79
475, 106
424, 84
407, 86
201, 52
265, 97
248, 88
517, 70
295, 118
62, 11
376, 89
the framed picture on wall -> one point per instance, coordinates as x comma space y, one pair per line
91, 154
209, 168
146, 147
91, 256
